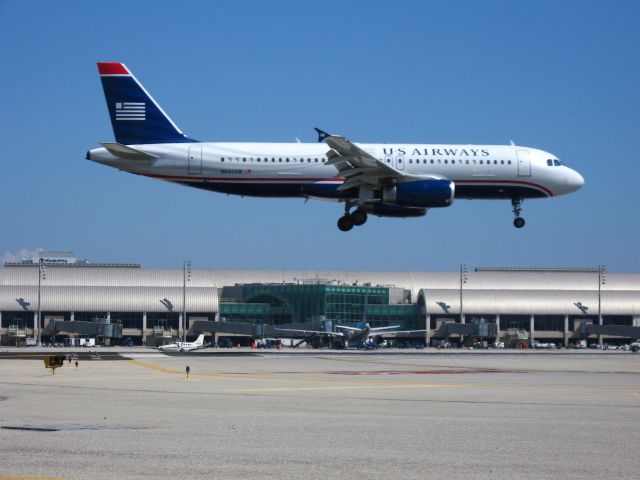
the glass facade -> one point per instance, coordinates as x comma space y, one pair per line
315, 303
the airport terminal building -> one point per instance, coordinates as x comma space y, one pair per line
148, 305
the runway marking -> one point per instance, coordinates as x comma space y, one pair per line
341, 387
147, 355
417, 372
156, 368
286, 376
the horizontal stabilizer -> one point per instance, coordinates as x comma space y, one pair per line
125, 152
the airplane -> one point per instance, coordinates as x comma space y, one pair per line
365, 333
385, 180
361, 334
183, 346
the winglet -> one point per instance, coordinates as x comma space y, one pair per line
322, 135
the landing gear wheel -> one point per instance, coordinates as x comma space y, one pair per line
358, 217
516, 205
518, 222
345, 224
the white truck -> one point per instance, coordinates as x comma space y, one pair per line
635, 345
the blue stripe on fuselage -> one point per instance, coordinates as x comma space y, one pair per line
330, 190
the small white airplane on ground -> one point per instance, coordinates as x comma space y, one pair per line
386, 180
183, 346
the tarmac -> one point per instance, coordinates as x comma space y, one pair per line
247, 414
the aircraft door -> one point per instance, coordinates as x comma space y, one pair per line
195, 160
524, 163
400, 162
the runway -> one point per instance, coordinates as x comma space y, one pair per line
323, 415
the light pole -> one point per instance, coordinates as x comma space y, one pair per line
602, 280
42, 275
463, 279
186, 277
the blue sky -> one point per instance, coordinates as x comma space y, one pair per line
560, 76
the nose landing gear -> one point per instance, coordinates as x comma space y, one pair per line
354, 219
516, 204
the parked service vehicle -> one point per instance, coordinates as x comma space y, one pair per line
635, 346
30, 342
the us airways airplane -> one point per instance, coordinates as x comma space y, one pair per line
386, 180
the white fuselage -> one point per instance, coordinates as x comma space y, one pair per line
298, 169
183, 346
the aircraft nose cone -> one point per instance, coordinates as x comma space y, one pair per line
576, 181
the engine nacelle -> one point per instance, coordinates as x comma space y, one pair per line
420, 193
386, 210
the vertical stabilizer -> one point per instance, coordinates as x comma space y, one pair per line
135, 116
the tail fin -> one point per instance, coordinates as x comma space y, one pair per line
200, 340
135, 116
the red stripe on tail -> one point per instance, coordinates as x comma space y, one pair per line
112, 68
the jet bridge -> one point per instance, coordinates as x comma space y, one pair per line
102, 328
587, 329
477, 328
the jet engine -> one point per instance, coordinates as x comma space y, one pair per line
420, 193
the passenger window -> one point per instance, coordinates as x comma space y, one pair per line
466, 162
509, 162
222, 159
501, 162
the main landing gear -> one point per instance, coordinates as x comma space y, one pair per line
516, 203
354, 219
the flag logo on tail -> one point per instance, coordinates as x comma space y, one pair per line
130, 111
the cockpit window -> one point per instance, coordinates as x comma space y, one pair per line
557, 163
550, 163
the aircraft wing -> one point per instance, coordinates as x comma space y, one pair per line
360, 167
395, 334
377, 329
350, 329
309, 332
